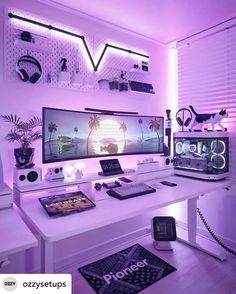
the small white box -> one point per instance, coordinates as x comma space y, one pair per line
77, 79
159, 173
64, 77
147, 167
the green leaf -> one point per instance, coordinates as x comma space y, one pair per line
12, 118
36, 136
12, 136
35, 122
23, 131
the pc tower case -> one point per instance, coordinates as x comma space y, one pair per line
203, 155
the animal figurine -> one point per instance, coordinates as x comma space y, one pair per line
208, 118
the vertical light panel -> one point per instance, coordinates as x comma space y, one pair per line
174, 210
172, 86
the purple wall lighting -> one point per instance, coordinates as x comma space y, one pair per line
82, 38
43, 94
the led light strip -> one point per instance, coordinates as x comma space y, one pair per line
224, 163
181, 148
50, 27
218, 154
216, 143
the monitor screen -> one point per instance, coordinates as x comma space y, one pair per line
69, 135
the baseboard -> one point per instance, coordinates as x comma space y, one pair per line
204, 233
82, 257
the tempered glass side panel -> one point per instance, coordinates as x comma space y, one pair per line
207, 155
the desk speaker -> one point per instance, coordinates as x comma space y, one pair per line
27, 176
168, 160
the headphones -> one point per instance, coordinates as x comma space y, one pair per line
182, 122
24, 76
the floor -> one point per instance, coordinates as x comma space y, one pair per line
196, 272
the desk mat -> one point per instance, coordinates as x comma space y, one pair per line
126, 272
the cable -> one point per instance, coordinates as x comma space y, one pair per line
231, 251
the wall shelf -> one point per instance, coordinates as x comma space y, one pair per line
50, 48
146, 93
140, 71
39, 44
132, 70
63, 31
31, 46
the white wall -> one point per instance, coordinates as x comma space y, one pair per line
27, 100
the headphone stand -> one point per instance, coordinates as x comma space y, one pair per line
182, 122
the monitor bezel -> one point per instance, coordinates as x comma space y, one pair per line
96, 156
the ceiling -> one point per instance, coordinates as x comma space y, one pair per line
161, 20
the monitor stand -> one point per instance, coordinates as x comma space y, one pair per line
110, 173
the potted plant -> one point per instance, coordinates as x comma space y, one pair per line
25, 133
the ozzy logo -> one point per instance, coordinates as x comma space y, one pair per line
10, 284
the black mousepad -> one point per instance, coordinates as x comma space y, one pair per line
126, 272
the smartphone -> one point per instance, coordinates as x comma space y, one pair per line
125, 180
166, 183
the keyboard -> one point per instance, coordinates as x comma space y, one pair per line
130, 190
141, 87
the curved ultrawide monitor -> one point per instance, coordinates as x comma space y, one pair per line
69, 135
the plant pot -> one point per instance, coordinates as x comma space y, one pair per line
24, 157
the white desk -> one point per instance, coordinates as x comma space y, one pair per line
15, 235
111, 211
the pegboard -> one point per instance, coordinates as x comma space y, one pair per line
62, 46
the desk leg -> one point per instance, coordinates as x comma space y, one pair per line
192, 220
191, 238
29, 261
47, 257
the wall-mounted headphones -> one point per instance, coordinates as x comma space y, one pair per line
186, 117
24, 76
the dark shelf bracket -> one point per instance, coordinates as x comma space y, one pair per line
50, 27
